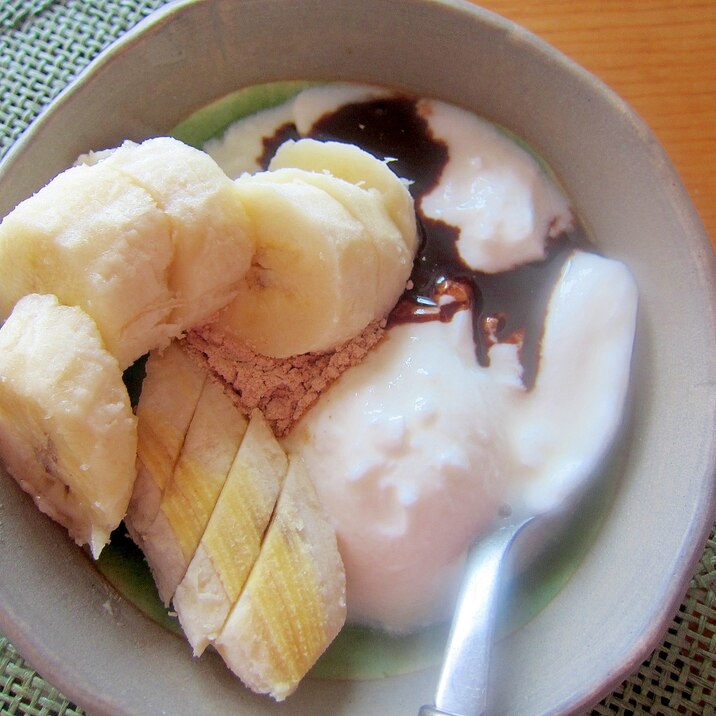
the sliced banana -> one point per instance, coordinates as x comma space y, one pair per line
170, 393
310, 273
95, 239
67, 432
212, 247
358, 167
387, 259
233, 536
241, 544
212, 441
141, 243
293, 604
332, 254
148, 239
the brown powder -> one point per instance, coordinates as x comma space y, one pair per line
282, 388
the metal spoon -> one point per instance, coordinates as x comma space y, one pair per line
462, 686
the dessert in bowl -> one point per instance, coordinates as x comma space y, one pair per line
571, 167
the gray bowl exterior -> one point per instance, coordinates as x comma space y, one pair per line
111, 659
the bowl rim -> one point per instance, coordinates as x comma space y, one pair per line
57, 670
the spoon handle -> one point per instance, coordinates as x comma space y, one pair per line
462, 687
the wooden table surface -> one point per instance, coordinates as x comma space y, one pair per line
658, 55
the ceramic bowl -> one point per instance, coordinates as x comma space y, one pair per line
102, 651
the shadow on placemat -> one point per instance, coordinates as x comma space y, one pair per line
678, 678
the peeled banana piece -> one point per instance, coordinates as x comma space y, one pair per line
208, 224
95, 239
329, 256
358, 167
308, 251
385, 259
293, 604
211, 443
238, 541
233, 536
67, 431
171, 389
148, 239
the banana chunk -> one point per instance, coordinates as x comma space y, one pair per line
148, 239
293, 604
212, 441
232, 539
170, 393
356, 166
330, 257
94, 239
208, 223
387, 259
310, 263
67, 432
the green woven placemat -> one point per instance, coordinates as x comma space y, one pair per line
43, 45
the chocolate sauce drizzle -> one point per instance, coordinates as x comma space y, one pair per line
506, 307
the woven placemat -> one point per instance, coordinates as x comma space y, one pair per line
43, 45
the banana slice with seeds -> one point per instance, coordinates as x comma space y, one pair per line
333, 254
386, 259
306, 273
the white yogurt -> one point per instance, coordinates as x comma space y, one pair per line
415, 450
496, 193
403, 450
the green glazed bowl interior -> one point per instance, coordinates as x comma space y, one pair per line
103, 651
